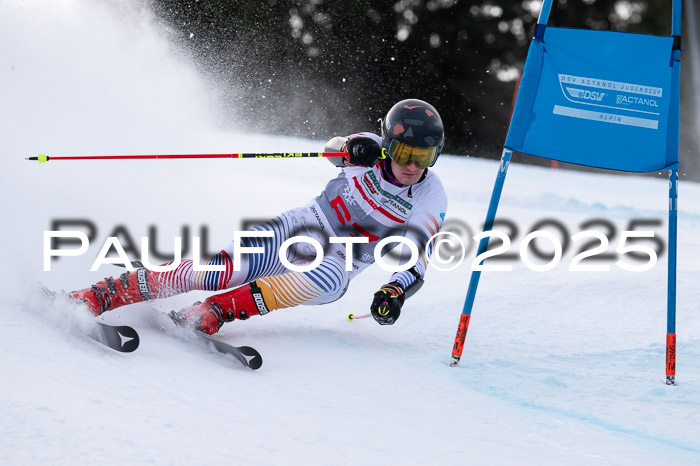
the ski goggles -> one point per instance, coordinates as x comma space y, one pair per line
403, 154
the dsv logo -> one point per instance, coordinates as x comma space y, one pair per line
586, 94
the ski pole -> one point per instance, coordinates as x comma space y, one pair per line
41, 158
352, 316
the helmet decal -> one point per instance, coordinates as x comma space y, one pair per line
413, 122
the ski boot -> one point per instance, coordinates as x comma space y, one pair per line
209, 316
108, 294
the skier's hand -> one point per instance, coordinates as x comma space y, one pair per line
386, 306
363, 151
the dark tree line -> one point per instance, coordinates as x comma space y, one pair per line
316, 68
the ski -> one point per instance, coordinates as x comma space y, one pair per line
125, 339
248, 356
120, 338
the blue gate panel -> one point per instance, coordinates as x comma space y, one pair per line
599, 98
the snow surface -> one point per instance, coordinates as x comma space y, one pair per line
559, 367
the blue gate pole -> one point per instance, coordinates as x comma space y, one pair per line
544, 12
676, 18
672, 254
490, 217
483, 244
673, 217
542, 19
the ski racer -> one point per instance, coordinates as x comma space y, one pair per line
384, 189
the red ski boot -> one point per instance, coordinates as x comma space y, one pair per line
131, 287
210, 316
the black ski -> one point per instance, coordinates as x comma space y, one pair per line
125, 339
120, 338
247, 356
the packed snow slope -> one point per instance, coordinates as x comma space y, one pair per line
560, 367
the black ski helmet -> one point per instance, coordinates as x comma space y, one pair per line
416, 123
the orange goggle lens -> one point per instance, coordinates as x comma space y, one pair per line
403, 154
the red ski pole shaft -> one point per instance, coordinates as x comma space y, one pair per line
41, 158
